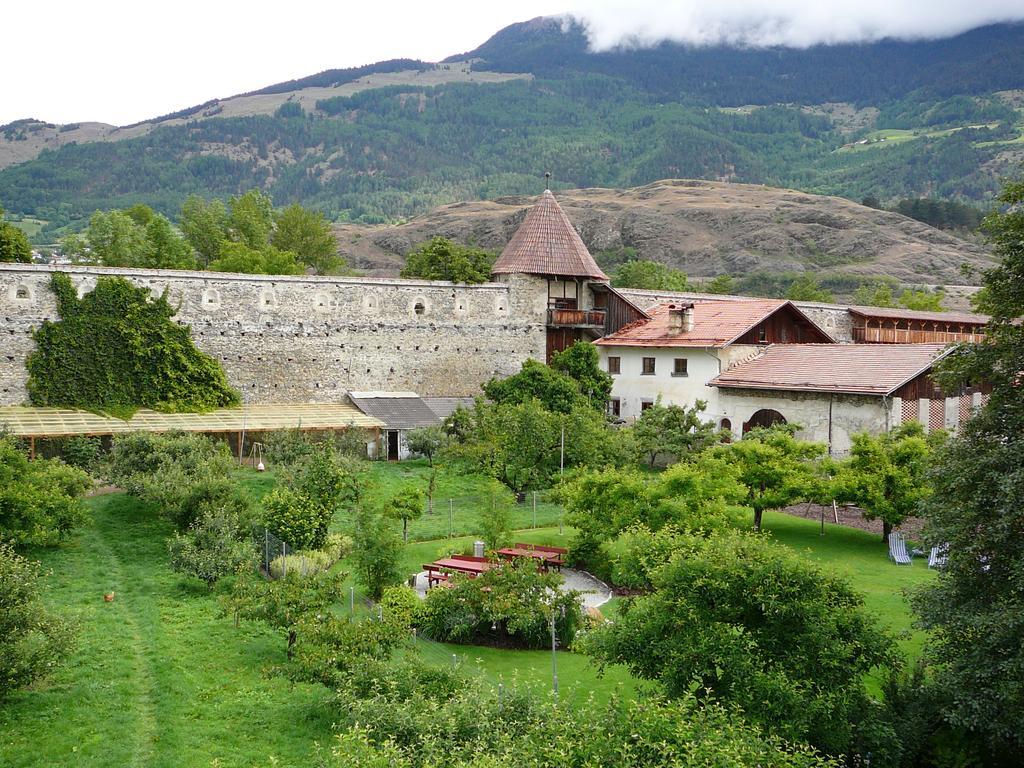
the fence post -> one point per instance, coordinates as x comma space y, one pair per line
284, 559
501, 696
352, 600
451, 510
266, 550
380, 613
534, 509
455, 660
559, 521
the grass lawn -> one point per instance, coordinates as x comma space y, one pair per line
158, 678
863, 559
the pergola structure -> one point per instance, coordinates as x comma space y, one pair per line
31, 423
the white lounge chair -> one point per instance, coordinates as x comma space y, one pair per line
898, 549
937, 557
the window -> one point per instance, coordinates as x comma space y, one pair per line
615, 407
648, 369
419, 308
614, 364
645, 404
762, 334
679, 369
22, 292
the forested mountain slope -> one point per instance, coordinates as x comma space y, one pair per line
389, 141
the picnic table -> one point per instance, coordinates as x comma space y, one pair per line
546, 557
438, 570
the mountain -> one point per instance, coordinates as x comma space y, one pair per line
382, 143
704, 228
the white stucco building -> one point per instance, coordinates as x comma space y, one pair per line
675, 353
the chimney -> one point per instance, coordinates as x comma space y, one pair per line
680, 318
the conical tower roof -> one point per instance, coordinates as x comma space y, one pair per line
546, 243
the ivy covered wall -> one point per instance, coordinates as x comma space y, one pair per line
117, 349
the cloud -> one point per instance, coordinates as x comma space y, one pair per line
795, 23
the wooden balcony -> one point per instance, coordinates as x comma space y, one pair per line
576, 318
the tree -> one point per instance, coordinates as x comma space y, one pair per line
776, 468
975, 608
649, 275
429, 442
556, 391
250, 219
886, 475
581, 362
924, 300
743, 621
295, 519
14, 245
40, 501
807, 288
376, 550
242, 258
495, 523
213, 547
32, 640
441, 259
308, 235
136, 237
720, 284
286, 603
204, 224
672, 429
165, 248
875, 294
405, 505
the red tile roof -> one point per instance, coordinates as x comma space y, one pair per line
715, 324
546, 243
868, 369
912, 314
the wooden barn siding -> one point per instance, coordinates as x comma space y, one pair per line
867, 331
784, 327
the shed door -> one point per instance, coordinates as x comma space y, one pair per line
393, 445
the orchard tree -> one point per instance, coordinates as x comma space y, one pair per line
405, 505
429, 442
250, 219
886, 475
441, 259
744, 621
975, 607
673, 430
32, 640
776, 468
376, 550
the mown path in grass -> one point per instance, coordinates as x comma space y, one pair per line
158, 677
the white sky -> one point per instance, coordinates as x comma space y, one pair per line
121, 62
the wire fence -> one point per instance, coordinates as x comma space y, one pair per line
271, 548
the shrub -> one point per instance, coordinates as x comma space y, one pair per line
301, 564
82, 452
507, 606
32, 641
211, 548
40, 501
401, 605
337, 546
295, 519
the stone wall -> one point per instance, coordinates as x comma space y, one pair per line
311, 339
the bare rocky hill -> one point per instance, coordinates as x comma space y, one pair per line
704, 228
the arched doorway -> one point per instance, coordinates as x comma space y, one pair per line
766, 417
725, 425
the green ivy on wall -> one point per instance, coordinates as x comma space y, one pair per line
117, 349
